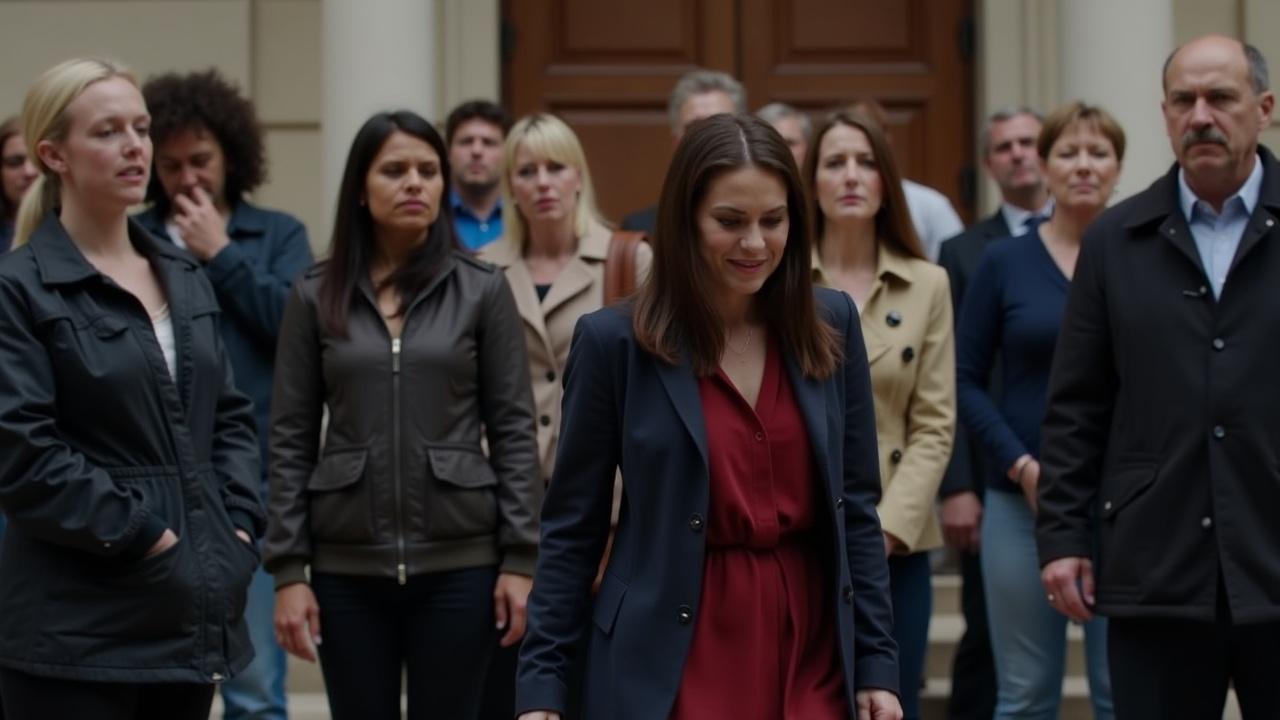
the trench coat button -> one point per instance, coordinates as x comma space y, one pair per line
1206, 522
895, 456
1218, 343
684, 615
551, 376
695, 522
545, 420
848, 594
908, 354
1219, 432
839, 502
1106, 506
894, 318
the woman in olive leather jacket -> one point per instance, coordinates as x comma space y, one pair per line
418, 544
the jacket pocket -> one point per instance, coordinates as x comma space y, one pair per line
1126, 483
608, 601
341, 510
462, 501
1127, 550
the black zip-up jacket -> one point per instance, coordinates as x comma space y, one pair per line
100, 452
402, 485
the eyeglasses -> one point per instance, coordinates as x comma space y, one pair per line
13, 162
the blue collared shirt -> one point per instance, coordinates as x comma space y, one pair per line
1217, 235
475, 232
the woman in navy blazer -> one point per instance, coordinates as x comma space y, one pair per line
728, 320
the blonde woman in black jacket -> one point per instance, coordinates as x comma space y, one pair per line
418, 544
128, 463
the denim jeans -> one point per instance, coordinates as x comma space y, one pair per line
912, 592
437, 628
1028, 637
257, 692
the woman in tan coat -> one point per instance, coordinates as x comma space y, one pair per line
865, 246
553, 253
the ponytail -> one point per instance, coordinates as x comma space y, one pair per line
40, 198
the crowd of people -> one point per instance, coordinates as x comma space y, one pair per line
497, 455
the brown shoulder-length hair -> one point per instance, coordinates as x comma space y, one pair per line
674, 312
893, 219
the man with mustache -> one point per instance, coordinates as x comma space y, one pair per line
475, 131
208, 154
1160, 442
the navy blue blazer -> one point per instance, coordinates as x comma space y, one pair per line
625, 408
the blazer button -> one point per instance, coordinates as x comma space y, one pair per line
1219, 344
545, 420
839, 502
895, 456
551, 376
684, 615
695, 522
908, 354
848, 594
1206, 523
1219, 432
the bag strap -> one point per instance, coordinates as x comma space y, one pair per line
620, 265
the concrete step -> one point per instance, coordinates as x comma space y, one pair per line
946, 594
945, 632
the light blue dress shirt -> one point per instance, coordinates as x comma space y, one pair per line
475, 232
1217, 235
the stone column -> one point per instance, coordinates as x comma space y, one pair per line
1111, 55
375, 56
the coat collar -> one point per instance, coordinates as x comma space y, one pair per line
60, 262
889, 263
1160, 203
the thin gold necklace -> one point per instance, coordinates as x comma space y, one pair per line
745, 344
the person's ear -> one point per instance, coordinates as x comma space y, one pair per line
50, 155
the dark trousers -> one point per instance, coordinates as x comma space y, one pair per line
973, 670
1163, 669
31, 697
499, 702
910, 586
437, 628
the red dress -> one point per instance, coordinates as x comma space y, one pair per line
764, 640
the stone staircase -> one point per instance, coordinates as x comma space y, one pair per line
307, 699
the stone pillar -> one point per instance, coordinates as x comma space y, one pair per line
375, 57
1111, 55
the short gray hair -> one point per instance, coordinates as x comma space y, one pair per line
1004, 114
700, 82
775, 111
1259, 77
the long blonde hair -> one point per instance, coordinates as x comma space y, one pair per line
549, 137
44, 117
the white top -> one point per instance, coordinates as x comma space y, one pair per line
932, 215
162, 323
176, 235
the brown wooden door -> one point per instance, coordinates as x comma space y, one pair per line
607, 68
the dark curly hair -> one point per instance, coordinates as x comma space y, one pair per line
206, 100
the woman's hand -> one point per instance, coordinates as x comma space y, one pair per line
510, 598
166, 540
539, 715
298, 621
891, 543
1030, 483
878, 705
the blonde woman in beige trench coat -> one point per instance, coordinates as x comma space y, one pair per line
553, 254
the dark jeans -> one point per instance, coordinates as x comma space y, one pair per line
438, 628
973, 670
912, 592
31, 697
1167, 669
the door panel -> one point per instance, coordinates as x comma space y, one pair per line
607, 68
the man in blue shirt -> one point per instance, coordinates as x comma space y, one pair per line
475, 131
208, 152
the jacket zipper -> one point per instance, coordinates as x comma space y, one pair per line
401, 571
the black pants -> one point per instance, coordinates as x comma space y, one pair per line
438, 628
1166, 669
973, 670
31, 697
